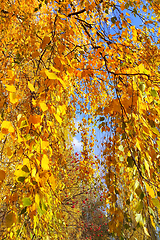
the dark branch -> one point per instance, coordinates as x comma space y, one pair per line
76, 13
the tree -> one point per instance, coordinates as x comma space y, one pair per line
61, 57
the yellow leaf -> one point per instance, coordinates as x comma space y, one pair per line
62, 109
63, 83
134, 33
152, 220
155, 130
138, 145
7, 127
2, 175
34, 102
43, 106
141, 68
10, 219
150, 191
147, 167
31, 87
10, 88
37, 199
45, 162
58, 118
25, 161
52, 182
146, 231
61, 16
51, 75
44, 145
13, 97
33, 173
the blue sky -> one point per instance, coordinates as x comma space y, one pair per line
138, 23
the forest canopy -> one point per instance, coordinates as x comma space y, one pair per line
99, 60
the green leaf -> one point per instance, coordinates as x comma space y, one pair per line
128, 202
130, 162
142, 86
36, 9
23, 124
106, 11
34, 182
21, 179
113, 19
151, 123
26, 202
17, 232
139, 206
23, 210
141, 195
40, 211
123, 125
27, 137
101, 119
154, 93
44, 206
138, 191
25, 169
156, 202
126, 226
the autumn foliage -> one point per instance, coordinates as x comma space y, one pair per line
98, 59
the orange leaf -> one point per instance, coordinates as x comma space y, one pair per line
2, 175
128, 20
35, 119
10, 219
35, 54
45, 41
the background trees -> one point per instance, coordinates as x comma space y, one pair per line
100, 58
